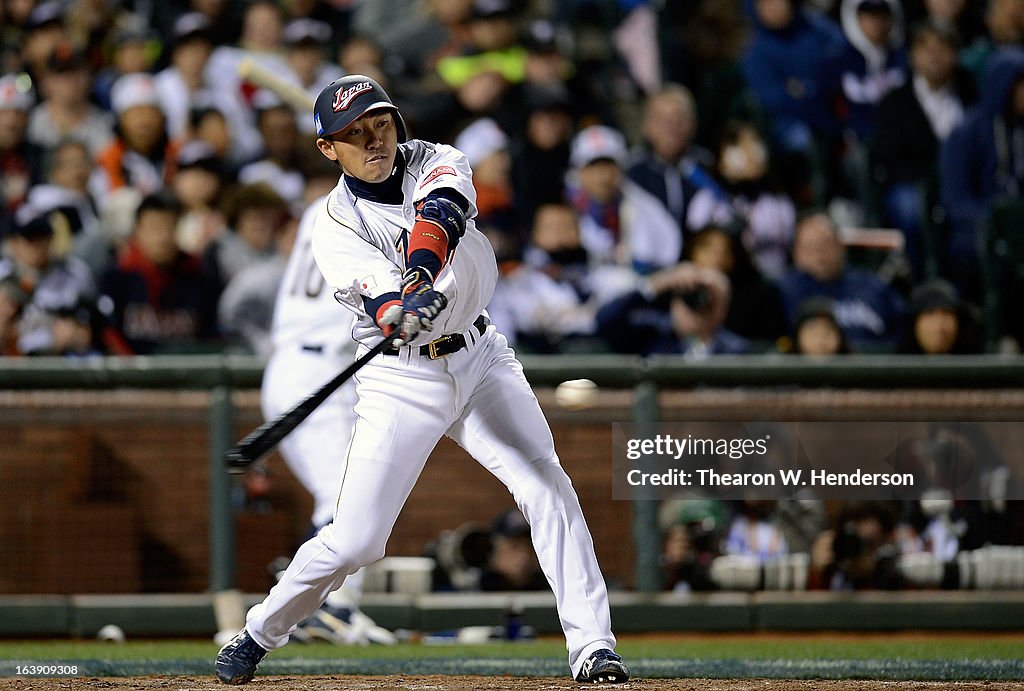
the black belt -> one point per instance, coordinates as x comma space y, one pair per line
446, 345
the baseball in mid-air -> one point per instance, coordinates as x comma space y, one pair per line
111, 633
576, 394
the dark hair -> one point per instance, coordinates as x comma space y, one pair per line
936, 27
158, 201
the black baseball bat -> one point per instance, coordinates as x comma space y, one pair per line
266, 436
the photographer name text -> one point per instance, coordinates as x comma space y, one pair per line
709, 477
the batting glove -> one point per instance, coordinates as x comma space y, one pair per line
419, 298
419, 307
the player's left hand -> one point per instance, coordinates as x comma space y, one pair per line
420, 302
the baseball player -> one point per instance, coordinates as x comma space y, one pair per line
397, 241
312, 339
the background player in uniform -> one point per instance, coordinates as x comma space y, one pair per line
396, 238
312, 339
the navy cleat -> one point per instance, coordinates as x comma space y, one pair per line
237, 661
603, 667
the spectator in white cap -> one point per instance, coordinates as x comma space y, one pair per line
142, 155
486, 146
620, 223
306, 41
20, 160
65, 111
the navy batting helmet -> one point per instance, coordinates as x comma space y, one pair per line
345, 100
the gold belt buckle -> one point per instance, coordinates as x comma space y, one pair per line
433, 346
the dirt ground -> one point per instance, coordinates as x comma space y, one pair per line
474, 683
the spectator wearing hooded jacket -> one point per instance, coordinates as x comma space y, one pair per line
873, 61
983, 160
789, 65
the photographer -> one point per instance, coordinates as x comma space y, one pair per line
861, 552
680, 310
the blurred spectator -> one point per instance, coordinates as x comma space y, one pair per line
982, 160
134, 47
692, 528
142, 155
755, 310
198, 186
752, 532
210, 126
679, 310
51, 285
669, 166
69, 169
1004, 22
65, 111
512, 563
486, 148
43, 31
159, 299
873, 61
540, 156
414, 36
184, 87
701, 46
245, 309
939, 323
12, 301
306, 42
789, 65
475, 557
965, 18
868, 310
620, 223
361, 55
255, 214
483, 79
816, 331
279, 166
548, 302
912, 122
747, 199
261, 41
20, 160
860, 552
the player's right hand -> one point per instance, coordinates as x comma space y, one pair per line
419, 307
394, 317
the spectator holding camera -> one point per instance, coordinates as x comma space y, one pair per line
861, 552
48, 285
678, 310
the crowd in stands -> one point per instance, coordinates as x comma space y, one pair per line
655, 177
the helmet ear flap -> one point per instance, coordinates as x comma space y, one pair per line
403, 132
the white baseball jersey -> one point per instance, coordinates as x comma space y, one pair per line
359, 244
406, 400
312, 338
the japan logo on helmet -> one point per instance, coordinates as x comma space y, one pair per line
344, 97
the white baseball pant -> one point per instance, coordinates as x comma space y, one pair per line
479, 397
